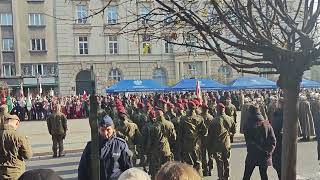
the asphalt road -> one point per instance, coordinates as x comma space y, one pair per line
307, 169
79, 134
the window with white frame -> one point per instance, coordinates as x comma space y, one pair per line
83, 45
113, 44
82, 14
8, 70
6, 19
115, 75
7, 44
168, 47
112, 15
36, 19
146, 44
144, 14
38, 44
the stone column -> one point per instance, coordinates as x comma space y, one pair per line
181, 70
177, 71
204, 68
209, 67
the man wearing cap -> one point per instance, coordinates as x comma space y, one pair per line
161, 136
14, 149
129, 131
170, 114
192, 129
176, 122
145, 131
231, 111
115, 156
219, 144
57, 127
207, 165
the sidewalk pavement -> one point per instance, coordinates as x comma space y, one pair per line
77, 136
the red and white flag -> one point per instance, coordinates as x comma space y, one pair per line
84, 96
198, 91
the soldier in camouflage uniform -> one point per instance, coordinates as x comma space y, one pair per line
192, 129
140, 116
176, 122
207, 164
128, 131
161, 135
57, 127
132, 107
14, 149
145, 131
219, 144
170, 114
231, 111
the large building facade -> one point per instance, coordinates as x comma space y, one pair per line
28, 50
95, 41
56, 41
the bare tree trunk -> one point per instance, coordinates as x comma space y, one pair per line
95, 159
290, 127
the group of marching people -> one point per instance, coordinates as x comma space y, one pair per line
188, 128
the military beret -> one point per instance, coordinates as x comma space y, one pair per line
170, 105
121, 109
11, 116
220, 106
196, 102
192, 104
140, 105
105, 121
180, 106
152, 114
179, 101
228, 98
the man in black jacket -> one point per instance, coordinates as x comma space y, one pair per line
260, 141
115, 156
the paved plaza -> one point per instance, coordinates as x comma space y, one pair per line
79, 134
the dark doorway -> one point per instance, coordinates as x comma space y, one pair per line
83, 82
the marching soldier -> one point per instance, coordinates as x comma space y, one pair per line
176, 122
57, 127
207, 165
129, 131
231, 111
219, 144
192, 129
170, 114
162, 133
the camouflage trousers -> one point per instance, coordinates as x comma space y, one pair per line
156, 160
57, 144
207, 161
193, 158
223, 164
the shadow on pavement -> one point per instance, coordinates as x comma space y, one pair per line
50, 166
49, 157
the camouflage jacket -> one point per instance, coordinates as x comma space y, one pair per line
57, 124
14, 149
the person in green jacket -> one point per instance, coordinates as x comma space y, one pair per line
14, 149
57, 127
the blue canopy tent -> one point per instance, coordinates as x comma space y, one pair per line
252, 82
309, 84
190, 85
135, 86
